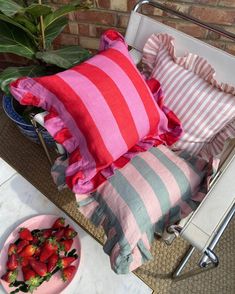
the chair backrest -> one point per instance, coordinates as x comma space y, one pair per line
201, 227
140, 28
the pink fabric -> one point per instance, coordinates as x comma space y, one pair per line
152, 191
205, 107
102, 111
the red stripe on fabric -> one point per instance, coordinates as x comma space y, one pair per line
97, 180
30, 99
126, 65
114, 99
121, 161
63, 135
15, 83
53, 113
71, 181
75, 107
153, 85
75, 156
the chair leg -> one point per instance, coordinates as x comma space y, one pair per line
183, 262
209, 259
41, 139
213, 262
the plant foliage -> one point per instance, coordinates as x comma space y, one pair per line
28, 29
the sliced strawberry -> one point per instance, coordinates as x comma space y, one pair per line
59, 223
28, 251
21, 245
39, 267
66, 261
68, 273
52, 262
12, 249
65, 245
58, 235
10, 276
25, 234
70, 233
12, 262
50, 247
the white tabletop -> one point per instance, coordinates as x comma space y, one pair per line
19, 200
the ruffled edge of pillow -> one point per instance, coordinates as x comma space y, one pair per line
192, 62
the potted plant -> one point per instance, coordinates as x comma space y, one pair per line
28, 29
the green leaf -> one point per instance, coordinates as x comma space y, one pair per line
9, 7
65, 57
38, 9
62, 11
12, 73
53, 30
14, 40
26, 23
15, 21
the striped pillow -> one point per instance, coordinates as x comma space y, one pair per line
205, 107
155, 189
102, 111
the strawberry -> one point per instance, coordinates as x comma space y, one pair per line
12, 262
25, 234
28, 251
66, 261
21, 245
68, 273
10, 276
58, 235
52, 261
12, 249
31, 278
36, 240
28, 273
65, 245
50, 247
59, 223
39, 267
24, 261
70, 233
46, 233
37, 251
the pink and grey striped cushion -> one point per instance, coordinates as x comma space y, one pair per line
205, 107
102, 111
155, 189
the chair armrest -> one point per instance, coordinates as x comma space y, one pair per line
39, 118
204, 224
135, 55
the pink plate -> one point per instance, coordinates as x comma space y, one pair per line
55, 285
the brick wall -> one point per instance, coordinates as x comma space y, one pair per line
85, 27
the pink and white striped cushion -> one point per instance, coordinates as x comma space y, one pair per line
205, 107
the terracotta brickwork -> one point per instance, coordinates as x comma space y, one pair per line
85, 27
115, 13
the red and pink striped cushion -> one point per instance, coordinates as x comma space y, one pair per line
102, 112
205, 107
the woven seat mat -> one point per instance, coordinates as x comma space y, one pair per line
29, 160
